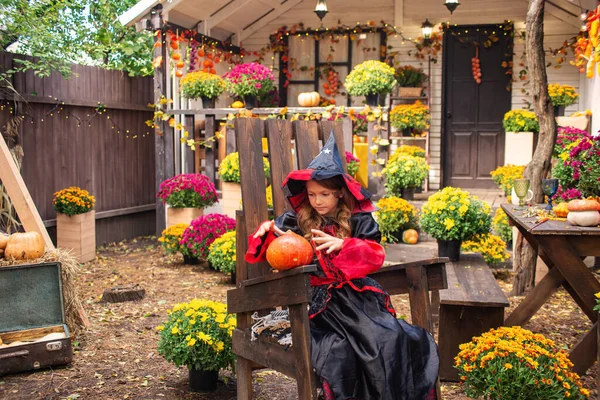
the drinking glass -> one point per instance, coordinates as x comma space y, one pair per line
521, 188
550, 187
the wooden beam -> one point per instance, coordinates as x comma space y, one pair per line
19, 195
398, 13
261, 23
563, 15
224, 13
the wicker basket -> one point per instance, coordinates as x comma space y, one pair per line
411, 91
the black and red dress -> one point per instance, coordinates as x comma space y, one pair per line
359, 349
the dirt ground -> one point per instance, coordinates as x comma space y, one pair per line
117, 357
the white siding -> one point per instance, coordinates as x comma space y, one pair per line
558, 27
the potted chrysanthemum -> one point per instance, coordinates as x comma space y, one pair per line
407, 117
202, 232
221, 254
198, 335
394, 216
75, 220
229, 175
452, 216
250, 81
410, 79
561, 96
404, 174
520, 126
186, 195
372, 79
202, 85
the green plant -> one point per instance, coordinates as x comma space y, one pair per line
500, 225
404, 172
188, 190
250, 79
505, 176
221, 253
562, 95
597, 306
394, 216
514, 363
198, 335
352, 164
370, 77
414, 115
520, 121
491, 247
229, 169
453, 214
409, 76
72, 201
408, 150
171, 237
198, 84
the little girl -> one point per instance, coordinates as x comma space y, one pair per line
359, 349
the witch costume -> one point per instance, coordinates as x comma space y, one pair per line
359, 349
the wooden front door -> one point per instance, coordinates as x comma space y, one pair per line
473, 137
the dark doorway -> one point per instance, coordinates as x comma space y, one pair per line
473, 137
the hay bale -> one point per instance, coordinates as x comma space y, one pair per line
75, 316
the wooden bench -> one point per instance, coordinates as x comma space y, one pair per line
472, 305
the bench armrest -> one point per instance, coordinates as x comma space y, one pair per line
394, 280
277, 289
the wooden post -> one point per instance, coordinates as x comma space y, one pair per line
19, 195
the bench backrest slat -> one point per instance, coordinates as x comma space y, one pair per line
281, 134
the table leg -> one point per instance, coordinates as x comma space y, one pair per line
583, 354
536, 298
574, 270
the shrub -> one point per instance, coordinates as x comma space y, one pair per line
394, 216
405, 172
453, 214
514, 363
72, 201
414, 115
520, 121
370, 77
229, 169
221, 253
198, 84
171, 238
491, 247
198, 335
188, 190
500, 225
198, 237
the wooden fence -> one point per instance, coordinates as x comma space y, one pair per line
88, 131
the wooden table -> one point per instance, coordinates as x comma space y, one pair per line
562, 247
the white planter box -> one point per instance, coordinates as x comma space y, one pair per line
231, 200
518, 148
77, 233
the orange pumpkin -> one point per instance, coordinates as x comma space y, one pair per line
410, 236
3, 240
584, 205
24, 246
289, 251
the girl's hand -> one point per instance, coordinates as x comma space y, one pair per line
266, 227
325, 241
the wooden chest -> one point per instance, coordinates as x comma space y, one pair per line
32, 329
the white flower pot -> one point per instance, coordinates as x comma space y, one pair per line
231, 198
518, 148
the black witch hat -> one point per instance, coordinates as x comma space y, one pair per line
325, 165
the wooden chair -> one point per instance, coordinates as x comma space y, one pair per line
259, 289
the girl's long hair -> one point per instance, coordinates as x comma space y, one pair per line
309, 218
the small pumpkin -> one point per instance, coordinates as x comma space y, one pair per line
410, 236
561, 210
237, 104
584, 205
3, 240
310, 99
288, 251
24, 246
584, 218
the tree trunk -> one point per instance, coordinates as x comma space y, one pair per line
539, 167
119, 294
